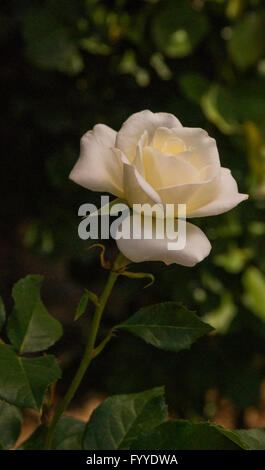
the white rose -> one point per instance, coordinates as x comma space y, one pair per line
154, 159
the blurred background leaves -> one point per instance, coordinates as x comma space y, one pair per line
69, 65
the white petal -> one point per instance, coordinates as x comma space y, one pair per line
98, 167
132, 129
136, 189
194, 195
196, 249
163, 170
166, 141
138, 161
226, 198
202, 147
105, 134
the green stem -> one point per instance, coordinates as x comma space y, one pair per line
102, 345
88, 356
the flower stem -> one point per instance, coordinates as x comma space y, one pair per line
88, 356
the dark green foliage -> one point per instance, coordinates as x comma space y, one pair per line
30, 327
169, 326
68, 435
69, 65
10, 425
186, 435
25, 380
118, 421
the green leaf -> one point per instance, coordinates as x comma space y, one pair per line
68, 435
10, 425
157, 61
256, 160
25, 380
193, 86
221, 317
253, 439
2, 313
219, 106
254, 297
81, 308
94, 45
185, 435
30, 327
247, 43
169, 326
117, 422
48, 44
177, 28
234, 260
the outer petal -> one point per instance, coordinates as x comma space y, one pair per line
196, 249
226, 198
132, 129
105, 134
98, 167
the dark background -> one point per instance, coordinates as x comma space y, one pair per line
67, 65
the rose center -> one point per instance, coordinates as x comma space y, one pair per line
170, 146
